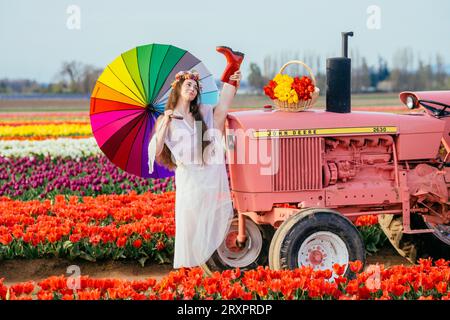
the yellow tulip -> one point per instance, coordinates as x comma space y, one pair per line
59, 130
283, 91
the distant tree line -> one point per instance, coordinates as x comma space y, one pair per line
73, 77
406, 72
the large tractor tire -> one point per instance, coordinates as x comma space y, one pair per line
252, 255
415, 246
318, 238
435, 245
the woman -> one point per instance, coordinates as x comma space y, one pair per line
188, 139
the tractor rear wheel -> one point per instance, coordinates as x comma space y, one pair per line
435, 245
252, 255
318, 238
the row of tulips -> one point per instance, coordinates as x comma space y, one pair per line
59, 147
40, 123
95, 227
421, 282
60, 130
40, 138
49, 115
43, 178
132, 226
107, 226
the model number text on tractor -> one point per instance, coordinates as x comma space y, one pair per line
379, 129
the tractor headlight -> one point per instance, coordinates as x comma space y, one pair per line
410, 103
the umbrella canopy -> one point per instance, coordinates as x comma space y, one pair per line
129, 96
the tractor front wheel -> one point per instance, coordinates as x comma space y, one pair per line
254, 253
318, 238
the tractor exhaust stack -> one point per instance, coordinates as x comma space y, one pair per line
338, 89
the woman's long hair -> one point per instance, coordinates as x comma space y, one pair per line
165, 158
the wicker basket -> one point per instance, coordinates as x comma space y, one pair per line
301, 104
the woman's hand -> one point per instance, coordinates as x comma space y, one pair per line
171, 115
167, 114
165, 119
237, 76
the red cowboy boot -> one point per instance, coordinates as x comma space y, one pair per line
234, 60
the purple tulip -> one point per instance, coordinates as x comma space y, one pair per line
69, 176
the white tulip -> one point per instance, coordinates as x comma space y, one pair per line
63, 147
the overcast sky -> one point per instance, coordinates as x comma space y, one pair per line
37, 36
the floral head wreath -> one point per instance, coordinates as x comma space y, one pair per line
194, 75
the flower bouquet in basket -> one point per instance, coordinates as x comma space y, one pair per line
292, 94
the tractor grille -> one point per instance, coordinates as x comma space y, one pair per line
300, 165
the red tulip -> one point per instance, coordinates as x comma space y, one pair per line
137, 243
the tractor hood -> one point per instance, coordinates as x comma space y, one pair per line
260, 120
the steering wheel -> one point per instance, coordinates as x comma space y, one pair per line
436, 112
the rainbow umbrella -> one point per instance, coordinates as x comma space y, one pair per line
129, 96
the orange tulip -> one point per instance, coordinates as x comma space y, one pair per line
339, 269
441, 287
352, 287
355, 266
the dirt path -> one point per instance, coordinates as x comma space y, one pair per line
387, 256
15, 271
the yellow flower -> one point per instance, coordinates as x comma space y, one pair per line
277, 78
283, 79
283, 95
293, 97
283, 91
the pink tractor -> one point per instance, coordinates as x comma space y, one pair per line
299, 179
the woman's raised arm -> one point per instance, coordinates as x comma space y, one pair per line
226, 98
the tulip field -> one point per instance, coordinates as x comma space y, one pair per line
60, 197
425, 281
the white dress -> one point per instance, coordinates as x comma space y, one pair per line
203, 205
